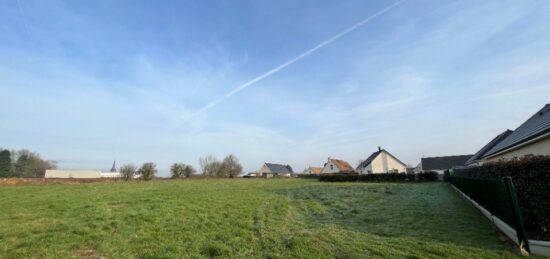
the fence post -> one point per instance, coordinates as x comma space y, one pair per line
518, 219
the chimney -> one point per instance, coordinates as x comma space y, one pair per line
379, 148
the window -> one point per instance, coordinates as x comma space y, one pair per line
331, 167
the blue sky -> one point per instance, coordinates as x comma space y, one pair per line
87, 82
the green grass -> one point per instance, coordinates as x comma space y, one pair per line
243, 218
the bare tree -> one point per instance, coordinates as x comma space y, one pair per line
208, 164
128, 171
177, 170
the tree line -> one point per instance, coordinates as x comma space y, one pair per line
23, 163
229, 167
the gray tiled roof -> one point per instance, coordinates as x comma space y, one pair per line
279, 169
535, 126
489, 145
443, 162
369, 160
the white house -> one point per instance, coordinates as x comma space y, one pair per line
336, 166
530, 138
269, 170
381, 162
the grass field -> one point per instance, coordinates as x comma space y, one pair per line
242, 218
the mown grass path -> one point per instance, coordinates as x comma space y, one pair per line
242, 219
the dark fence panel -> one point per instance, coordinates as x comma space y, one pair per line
498, 196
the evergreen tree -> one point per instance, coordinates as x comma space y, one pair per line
5, 163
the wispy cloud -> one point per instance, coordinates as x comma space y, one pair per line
291, 61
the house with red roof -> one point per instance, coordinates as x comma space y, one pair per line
336, 166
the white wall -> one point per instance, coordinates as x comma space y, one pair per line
264, 169
541, 147
330, 168
384, 163
366, 170
72, 174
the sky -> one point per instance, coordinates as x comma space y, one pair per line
293, 82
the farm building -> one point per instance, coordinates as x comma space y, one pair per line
441, 163
336, 166
80, 174
381, 162
530, 138
270, 170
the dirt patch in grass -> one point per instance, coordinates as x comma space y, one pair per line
88, 253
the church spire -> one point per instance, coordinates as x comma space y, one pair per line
113, 169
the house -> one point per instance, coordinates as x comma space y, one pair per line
79, 174
336, 166
381, 162
312, 170
530, 138
250, 175
477, 157
441, 163
269, 170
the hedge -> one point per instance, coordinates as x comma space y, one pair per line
389, 177
531, 177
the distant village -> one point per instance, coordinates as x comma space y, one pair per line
531, 138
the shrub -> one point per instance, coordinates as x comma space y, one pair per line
308, 176
427, 176
531, 177
389, 177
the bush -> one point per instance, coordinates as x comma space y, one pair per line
531, 177
427, 176
308, 176
389, 177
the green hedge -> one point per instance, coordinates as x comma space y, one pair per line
531, 177
390, 177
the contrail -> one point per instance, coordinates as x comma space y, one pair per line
292, 61
23, 18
